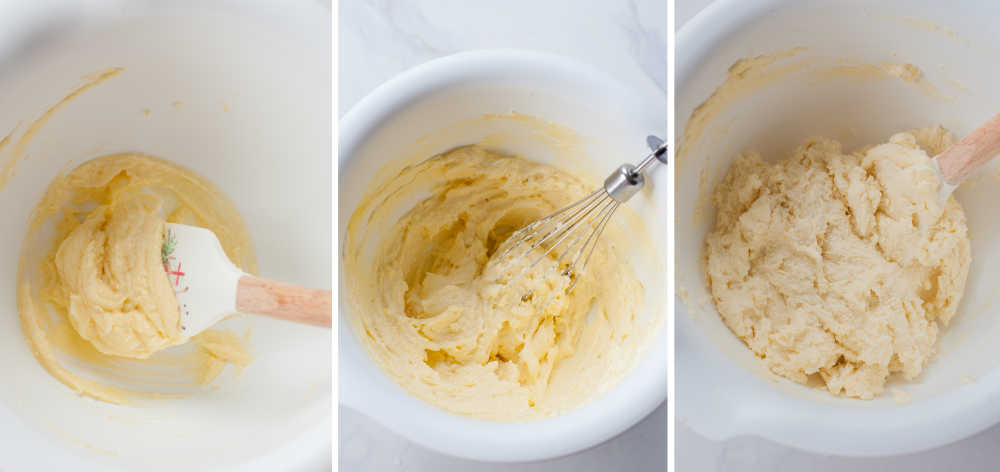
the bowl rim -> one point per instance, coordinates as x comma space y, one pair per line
771, 413
458, 435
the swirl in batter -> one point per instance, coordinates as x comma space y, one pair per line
434, 306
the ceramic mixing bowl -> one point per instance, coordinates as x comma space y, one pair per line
437, 106
240, 95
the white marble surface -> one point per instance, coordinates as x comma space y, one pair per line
695, 453
380, 38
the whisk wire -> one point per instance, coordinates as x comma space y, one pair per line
607, 209
596, 235
604, 212
565, 229
525, 234
587, 216
559, 227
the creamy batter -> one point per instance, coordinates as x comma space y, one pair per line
434, 306
842, 267
110, 270
96, 290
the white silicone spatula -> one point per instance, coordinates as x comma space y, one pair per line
961, 160
209, 287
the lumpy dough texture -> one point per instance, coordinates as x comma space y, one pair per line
841, 265
436, 307
119, 296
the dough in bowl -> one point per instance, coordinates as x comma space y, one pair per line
843, 267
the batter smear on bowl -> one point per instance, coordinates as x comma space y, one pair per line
436, 310
839, 265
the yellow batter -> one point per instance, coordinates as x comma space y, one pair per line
842, 267
101, 273
433, 306
110, 269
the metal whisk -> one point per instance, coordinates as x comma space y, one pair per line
582, 221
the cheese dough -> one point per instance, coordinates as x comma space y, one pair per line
445, 317
96, 290
841, 267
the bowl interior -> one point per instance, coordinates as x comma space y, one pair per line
442, 105
833, 88
243, 103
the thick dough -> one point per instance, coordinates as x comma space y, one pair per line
434, 309
96, 290
841, 265
110, 266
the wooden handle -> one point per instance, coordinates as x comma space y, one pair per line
969, 154
284, 301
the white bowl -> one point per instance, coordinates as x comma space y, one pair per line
270, 153
427, 101
722, 389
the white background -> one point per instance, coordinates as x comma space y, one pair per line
381, 38
695, 453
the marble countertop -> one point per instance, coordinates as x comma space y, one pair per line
750, 454
381, 38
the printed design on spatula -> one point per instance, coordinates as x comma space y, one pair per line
174, 269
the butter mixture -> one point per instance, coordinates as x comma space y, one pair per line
110, 270
839, 266
443, 314
96, 291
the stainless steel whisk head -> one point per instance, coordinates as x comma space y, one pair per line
580, 224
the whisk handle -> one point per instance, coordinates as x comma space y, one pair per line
626, 181
658, 146
661, 153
